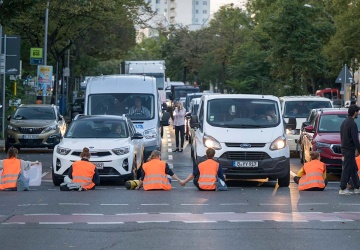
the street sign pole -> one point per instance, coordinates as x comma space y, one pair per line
3, 93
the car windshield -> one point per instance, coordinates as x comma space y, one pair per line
136, 106
97, 129
35, 113
301, 109
332, 123
243, 113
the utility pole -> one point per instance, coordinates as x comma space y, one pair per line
45, 39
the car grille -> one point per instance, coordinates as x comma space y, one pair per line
93, 154
336, 149
25, 130
251, 145
245, 156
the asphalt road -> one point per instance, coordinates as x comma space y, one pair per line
250, 215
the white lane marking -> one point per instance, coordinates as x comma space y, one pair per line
170, 157
132, 214
292, 173
46, 181
168, 131
155, 204
245, 221
273, 204
169, 144
99, 188
220, 213
12, 223
307, 212
105, 223
55, 223
310, 204
73, 204
168, 136
169, 150
349, 204
194, 221
263, 212
234, 204
194, 204
120, 188
43, 174
169, 139
88, 214
52, 189
336, 220
174, 213
114, 204
154, 221
346, 212
291, 220
39, 214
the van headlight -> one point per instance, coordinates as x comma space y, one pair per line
62, 151
121, 151
150, 133
278, 143
211, 142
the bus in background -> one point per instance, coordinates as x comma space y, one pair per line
329, 93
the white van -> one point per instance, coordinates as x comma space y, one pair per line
247, 133
120, 94
299, 107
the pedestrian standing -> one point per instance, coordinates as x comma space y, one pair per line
349, 135
312, 176
12, 167
179, 123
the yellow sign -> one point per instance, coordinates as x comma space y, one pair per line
36, 53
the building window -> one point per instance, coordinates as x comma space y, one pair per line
197, 11
197, 2
204, 11
196, 20
204, 2
165, 10
157, 1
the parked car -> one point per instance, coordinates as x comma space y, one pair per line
322, 134
35, 126
116, 155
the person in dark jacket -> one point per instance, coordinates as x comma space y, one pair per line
349, 135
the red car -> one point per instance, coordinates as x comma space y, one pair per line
322, 133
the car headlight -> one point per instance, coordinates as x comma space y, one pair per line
121, 151
211, 142
63, 151
150, 133
13, 128
322, 145
278, 143
49, 128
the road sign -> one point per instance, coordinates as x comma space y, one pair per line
345, 76
36, 56
2, 64
12, 55
36, 61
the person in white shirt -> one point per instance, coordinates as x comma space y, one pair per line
179, 124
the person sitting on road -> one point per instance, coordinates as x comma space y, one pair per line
154, 173
12, 167
138, 109
312, 176
207, 172
84, 172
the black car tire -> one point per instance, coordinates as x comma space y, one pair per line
56, 180
284, 181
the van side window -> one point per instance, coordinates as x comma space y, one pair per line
201, 116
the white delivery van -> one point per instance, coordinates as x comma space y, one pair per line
247, 133
136, 96
299, 107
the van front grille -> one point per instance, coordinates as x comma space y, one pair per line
244, 156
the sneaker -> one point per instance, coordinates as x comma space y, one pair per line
356, 191
345, 192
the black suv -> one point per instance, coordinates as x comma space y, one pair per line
35, 126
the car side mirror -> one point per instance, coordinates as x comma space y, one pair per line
305, 124
291, 123
165, 119
194, 121
137, 136
309, 129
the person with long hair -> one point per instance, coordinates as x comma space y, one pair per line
11, 168
179, 124
155, 172
84, 172
312, 176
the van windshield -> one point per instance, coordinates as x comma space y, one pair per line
301, 109
136, 106
243, 113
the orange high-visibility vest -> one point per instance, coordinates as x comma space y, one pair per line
10, 173
155, 176
313, 177
208, 172
358, 165
83, 173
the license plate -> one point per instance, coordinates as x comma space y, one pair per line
30, 136
245, 164
99, 165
